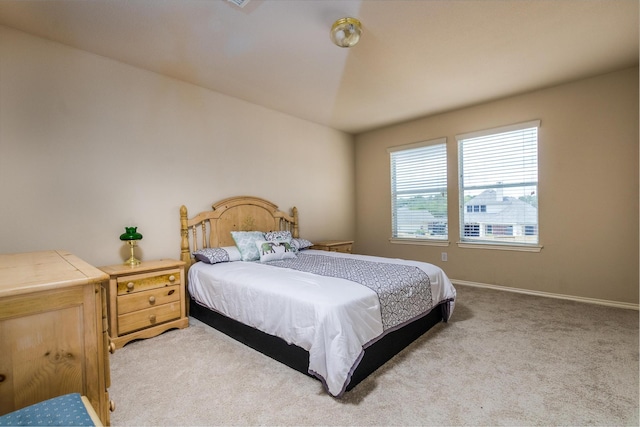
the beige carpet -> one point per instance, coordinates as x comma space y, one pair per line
503, 359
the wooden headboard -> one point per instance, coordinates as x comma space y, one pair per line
212, 229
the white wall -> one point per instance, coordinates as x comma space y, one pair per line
89, 145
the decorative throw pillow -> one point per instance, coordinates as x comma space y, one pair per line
246, 243
274, 250
217, 255
301, 244
280, 236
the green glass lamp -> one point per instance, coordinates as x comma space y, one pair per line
131, 237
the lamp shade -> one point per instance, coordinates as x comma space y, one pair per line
346, 32
131, 234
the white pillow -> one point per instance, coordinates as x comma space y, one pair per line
234, 253
272, 250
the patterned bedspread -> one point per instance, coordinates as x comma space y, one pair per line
404, 291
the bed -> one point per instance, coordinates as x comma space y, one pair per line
334, 316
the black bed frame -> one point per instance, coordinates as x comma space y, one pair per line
297, 358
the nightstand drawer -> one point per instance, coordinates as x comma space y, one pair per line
148, 299
143, 282
149, 317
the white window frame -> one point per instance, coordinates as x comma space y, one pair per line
476, 183
434, 185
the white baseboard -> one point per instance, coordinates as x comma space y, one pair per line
618, 304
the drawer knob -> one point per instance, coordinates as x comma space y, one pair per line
172, 278
130, 285
2, 377
152, 318
152, 299
112, 405
112, 348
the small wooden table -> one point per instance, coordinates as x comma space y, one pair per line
344, 246
145, 300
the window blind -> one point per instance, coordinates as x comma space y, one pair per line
419, 190
499, 184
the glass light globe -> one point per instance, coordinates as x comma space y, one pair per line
346, 32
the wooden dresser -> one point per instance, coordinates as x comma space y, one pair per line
53, 331
145, 300
334, 246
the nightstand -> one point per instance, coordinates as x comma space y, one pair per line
334, 246
145, 300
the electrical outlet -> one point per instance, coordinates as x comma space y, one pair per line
444, 256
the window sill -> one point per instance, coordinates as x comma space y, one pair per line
500, 246
420, 242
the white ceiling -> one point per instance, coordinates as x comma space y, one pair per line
415, 58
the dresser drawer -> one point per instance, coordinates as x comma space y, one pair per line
143, 282
148, 317
147, 299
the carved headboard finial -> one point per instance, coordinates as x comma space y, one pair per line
185, 254
294, 214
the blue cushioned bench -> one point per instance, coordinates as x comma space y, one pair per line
67, 410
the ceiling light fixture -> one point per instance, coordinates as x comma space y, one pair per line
346, 32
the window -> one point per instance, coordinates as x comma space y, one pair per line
499, 185
419, 190
476, 208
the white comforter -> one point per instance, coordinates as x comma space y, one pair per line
333, 319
